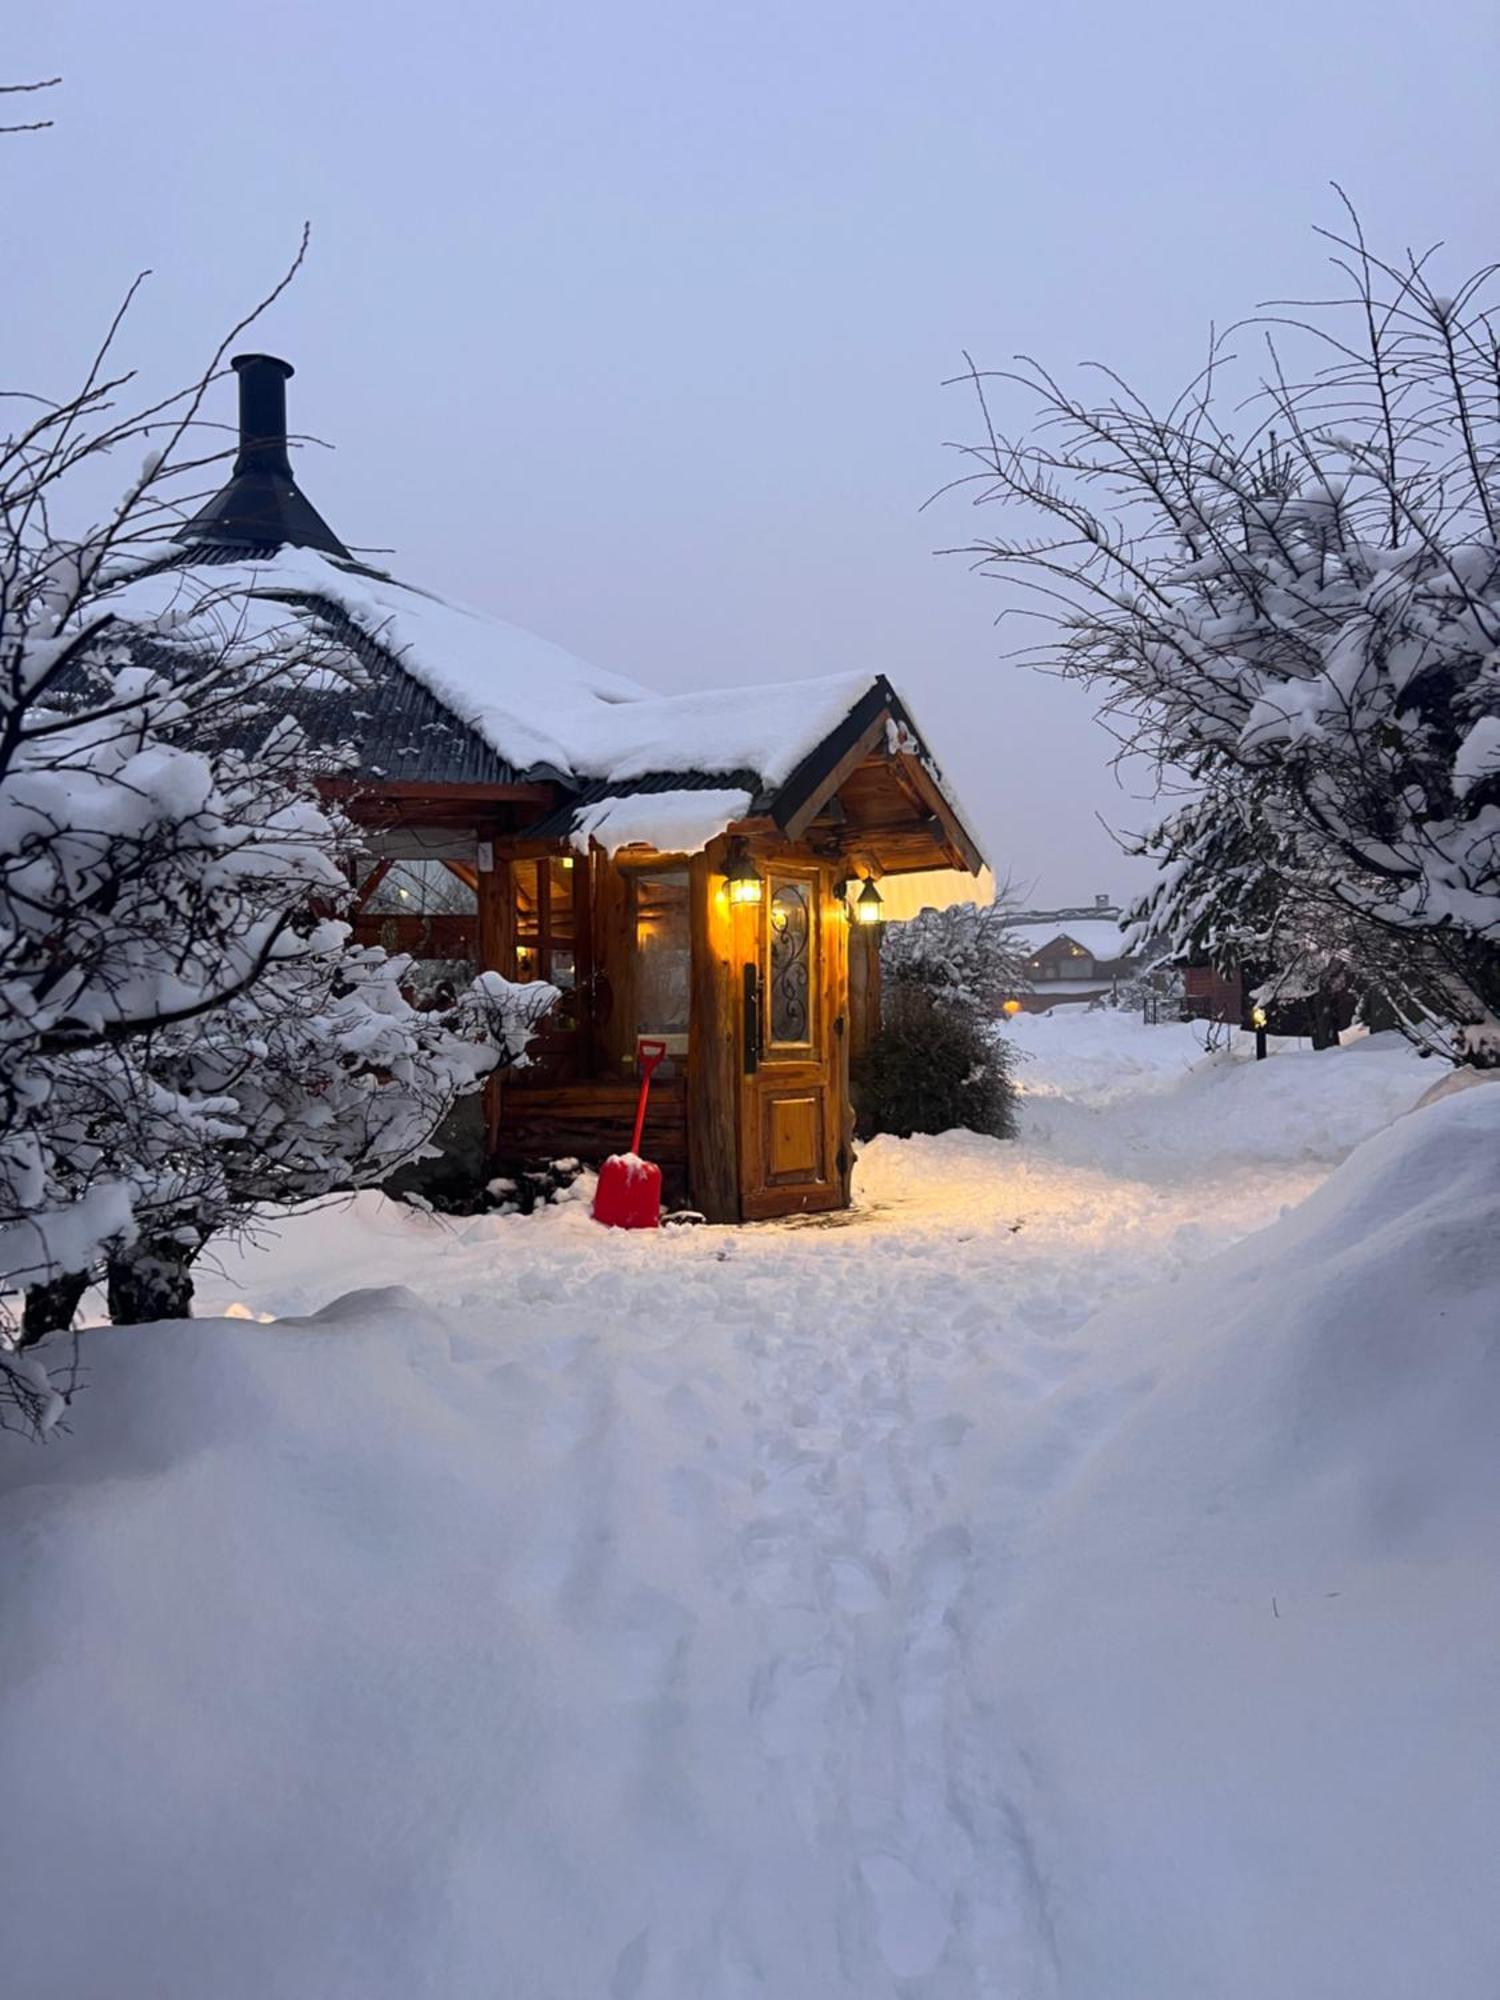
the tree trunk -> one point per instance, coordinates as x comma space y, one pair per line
153, 1279
1325, 1034
50, 1308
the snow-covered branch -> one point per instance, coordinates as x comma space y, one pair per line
1300, 614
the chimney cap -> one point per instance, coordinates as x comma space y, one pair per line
261, 506
240, 361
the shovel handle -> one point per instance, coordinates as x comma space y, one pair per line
648, 1054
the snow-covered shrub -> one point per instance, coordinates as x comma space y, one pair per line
326, 1078
936, 1063
967, 954
1303, 619
934, 1066
184, 1031
144, 884
1153, 990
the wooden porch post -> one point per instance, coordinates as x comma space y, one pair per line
713, 1071
492, 888
864, 987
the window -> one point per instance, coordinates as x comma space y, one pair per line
789, 961
663, 952
419, 906
420, 889
546, 933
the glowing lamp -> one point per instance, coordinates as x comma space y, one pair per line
1011, 1009
1258, 1017
868, 907
743, 880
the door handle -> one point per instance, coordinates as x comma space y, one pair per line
752, 1019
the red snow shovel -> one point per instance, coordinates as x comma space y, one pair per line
629, 1192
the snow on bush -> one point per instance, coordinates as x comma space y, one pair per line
934, 1066
967, 954
935, 1063
183, 1031
1303, 618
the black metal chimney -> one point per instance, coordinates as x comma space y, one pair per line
261, 507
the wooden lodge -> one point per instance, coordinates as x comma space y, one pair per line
687, 867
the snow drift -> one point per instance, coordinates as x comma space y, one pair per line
825, 1614
1249, 1678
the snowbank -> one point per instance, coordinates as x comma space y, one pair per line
1246, 1658
848, 1610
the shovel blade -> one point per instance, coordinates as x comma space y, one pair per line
629, 1193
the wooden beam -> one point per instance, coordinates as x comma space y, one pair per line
407, 791
864, 988
591, 1119
368, 887
836, 957
838, 774
495, 930
902, 851
614, 966
932, 794
583, 961
713, 1083
441, 935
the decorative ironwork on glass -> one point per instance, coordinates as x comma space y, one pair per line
790, 977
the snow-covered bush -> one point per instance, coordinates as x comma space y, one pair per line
322, 1077
934, 1066
936, 1063
967, 954
1302, 619
144, 884
184, 1031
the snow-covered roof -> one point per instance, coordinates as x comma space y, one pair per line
1099, 937
535, 703
455, 697
523, 695
671, 822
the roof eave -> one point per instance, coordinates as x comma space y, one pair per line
798, 800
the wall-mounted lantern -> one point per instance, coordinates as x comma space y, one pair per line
868, 907
742, 878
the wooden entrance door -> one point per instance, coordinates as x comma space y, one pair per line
792, 951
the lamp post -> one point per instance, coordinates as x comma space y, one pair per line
1258, 1022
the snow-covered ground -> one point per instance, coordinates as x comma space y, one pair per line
1022, 1587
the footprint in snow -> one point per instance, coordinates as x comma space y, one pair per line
912, 1920
630, 1968
648, 1644
939, 1574
789, 1700
853, 1585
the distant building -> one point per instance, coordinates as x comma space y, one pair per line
1075, 956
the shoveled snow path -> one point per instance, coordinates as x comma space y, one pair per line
620, 1594
751, 1522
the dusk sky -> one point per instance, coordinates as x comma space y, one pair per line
630, 323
